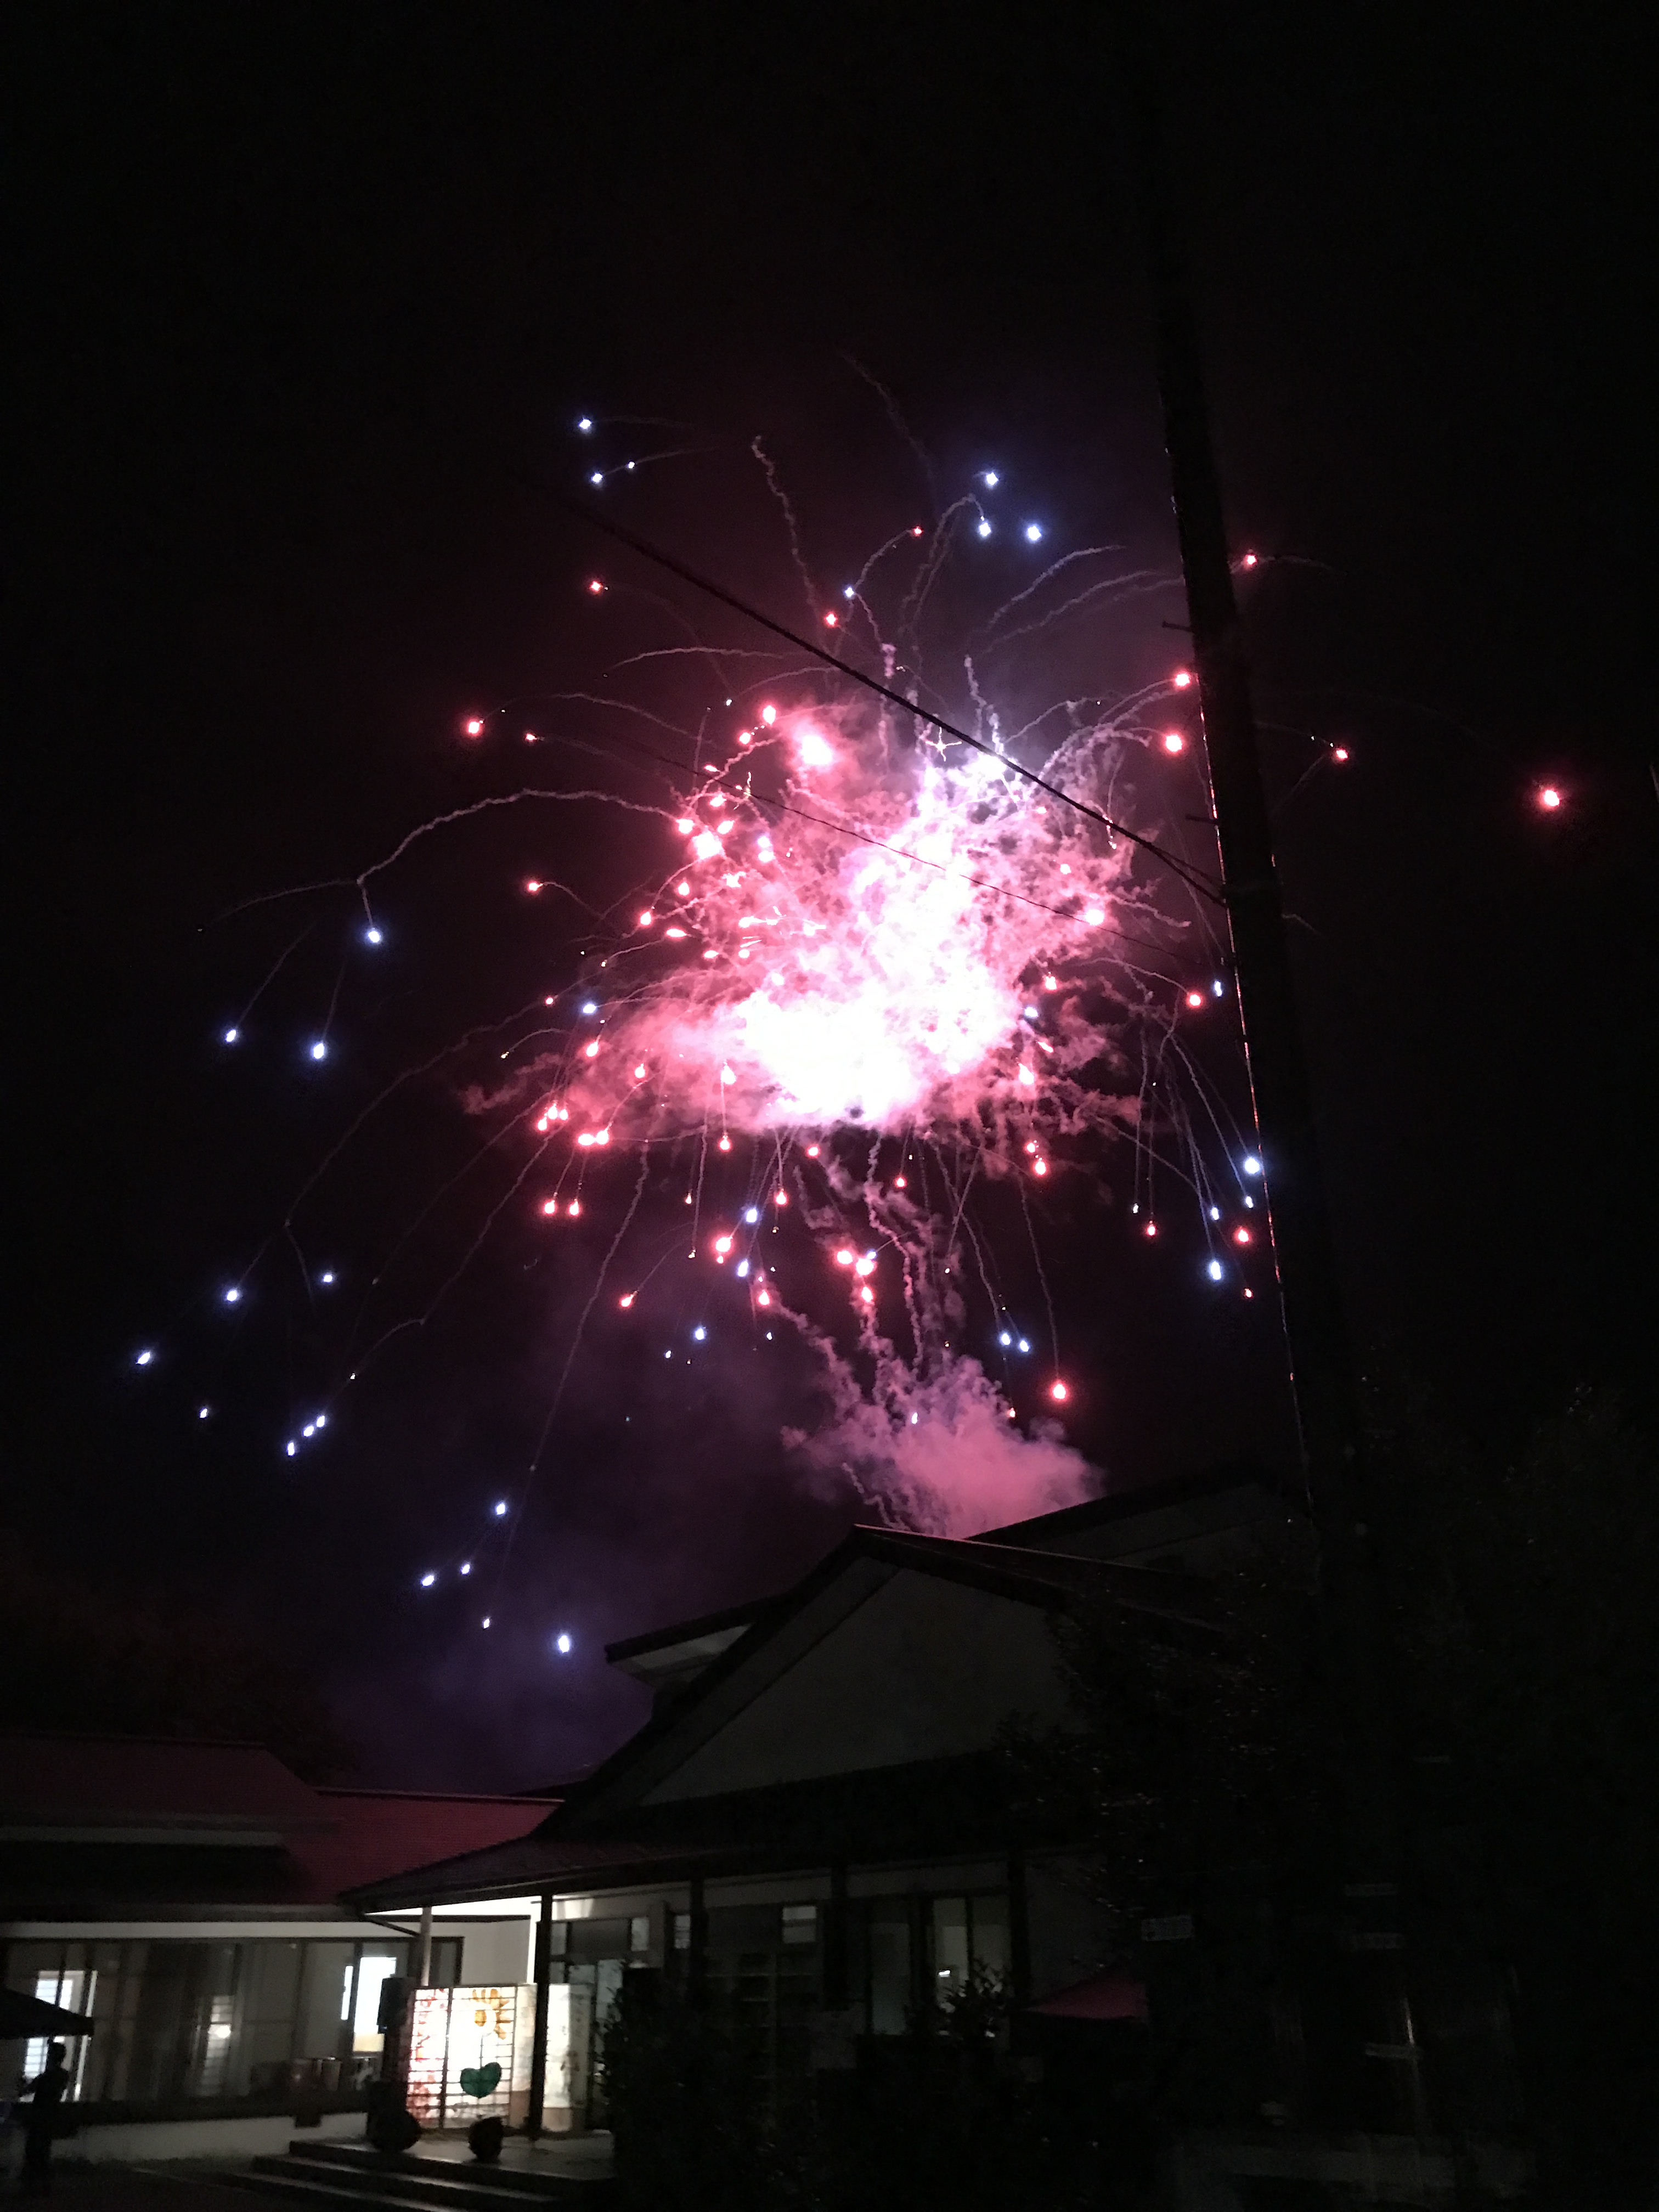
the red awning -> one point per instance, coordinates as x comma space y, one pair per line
1115, 1996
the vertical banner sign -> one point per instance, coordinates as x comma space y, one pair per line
469, 2055
429, 2052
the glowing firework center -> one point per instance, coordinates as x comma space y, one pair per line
896, 907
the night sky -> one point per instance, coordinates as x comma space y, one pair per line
301, 297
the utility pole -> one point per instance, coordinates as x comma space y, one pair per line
1380, 2081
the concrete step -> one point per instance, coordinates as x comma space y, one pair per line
354, 2171
305, 2184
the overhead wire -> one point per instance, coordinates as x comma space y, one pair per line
687, 574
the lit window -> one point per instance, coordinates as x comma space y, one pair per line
800, 1924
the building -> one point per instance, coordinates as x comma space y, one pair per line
815, 1815
186, 1897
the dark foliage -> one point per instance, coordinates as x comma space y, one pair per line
685, 2093
1526, 1597
945, 2115
86, 1659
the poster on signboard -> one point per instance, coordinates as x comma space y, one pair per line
470, 2053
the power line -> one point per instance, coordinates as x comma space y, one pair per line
701, 583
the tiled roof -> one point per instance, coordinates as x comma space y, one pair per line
110, 1824
122, 1782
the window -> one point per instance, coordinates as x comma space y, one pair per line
891, 1995
72, 1988
800, 1924
639, 1932
971, 1935
372, 1968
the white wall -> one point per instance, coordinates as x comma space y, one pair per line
129, 2139
922, 1669
492, 1951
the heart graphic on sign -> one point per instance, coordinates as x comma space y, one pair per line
479, 2080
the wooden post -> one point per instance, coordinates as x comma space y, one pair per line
836, 1941
426, 1946
532, 2124
1020, 1931
696, 1957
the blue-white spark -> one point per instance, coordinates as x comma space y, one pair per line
561, 1642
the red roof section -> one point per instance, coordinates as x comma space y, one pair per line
117, 1780
383, 1833
332, 1839
1115, 1996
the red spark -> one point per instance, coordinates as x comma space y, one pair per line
474, 728
1183, 679
1549, 798
1174, 742
1059, 1392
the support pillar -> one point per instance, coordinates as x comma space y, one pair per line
696, 1956
544, 1969
1020, 1931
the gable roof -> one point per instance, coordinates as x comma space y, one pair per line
1155, 1513
612, 1830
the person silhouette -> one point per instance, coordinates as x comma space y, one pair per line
46, 2094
